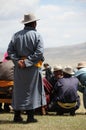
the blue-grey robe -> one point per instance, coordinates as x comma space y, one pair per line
28, 90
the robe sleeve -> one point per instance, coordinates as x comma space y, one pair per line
11, 51
32, 58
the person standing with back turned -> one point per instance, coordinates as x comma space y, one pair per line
26, 51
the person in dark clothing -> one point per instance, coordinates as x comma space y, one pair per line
49, 85
66, 97
48, 72
57, 73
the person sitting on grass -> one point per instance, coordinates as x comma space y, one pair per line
81, 75
66, 98
48, 71
6, 75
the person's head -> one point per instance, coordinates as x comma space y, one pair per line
57, 70
81, 65
68, 71
32, 24
30, 20
46, 65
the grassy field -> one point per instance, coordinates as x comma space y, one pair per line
47, 122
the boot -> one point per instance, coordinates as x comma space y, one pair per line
6, 107
30, 116
1, 110
17, 116
72, 113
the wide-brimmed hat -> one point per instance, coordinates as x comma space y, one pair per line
81, 65
28, 18
57, 68
68, 70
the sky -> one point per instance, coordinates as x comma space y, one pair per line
62, 22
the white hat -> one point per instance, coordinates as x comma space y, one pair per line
28, 18
57, 68
68, 70
81, 65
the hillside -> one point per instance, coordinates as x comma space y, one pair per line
65, 55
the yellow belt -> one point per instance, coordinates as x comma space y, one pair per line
39, 64
67, 105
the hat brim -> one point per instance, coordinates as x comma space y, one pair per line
68, 73
25, 22
57, 70
81, 67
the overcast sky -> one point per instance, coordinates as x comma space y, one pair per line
62, 22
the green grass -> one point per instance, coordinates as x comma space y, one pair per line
47, 122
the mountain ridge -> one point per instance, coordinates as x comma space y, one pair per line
65, 55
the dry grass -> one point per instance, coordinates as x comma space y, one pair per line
48, 122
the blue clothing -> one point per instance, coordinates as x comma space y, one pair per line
81, 75
66, 93
28, 92
80, 71
66, 89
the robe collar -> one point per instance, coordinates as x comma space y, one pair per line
29, 28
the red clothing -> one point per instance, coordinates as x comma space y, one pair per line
48, 89
4, 58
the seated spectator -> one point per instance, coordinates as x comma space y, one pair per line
48, 72
48, 89
81, 75
57, 73
6, 74
66, 99
48, 86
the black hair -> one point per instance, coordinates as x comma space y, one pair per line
31, 24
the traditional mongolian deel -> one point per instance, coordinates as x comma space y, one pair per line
27, 84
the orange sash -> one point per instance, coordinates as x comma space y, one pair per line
39, 64
4, 83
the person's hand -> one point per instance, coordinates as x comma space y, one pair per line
21, 64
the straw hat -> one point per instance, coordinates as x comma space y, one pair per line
68, 70
28, 18
57, 68
81, 65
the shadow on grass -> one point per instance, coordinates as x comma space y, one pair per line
48, 114
11, 122
81, 113
65, 114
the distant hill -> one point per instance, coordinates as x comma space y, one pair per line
65, 55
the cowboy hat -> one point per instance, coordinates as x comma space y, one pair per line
57, 68
81, 65
28, 18
68, 70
